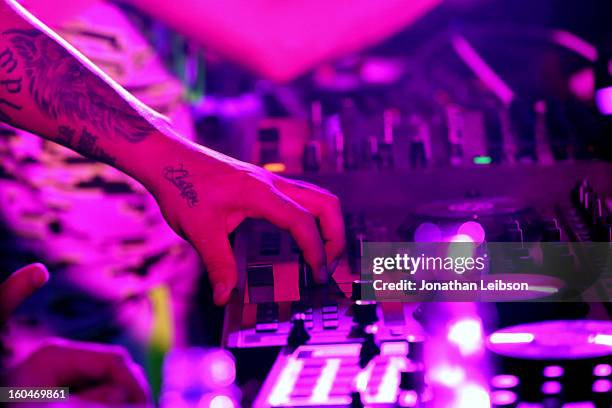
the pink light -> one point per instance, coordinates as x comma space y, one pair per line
503, 397
504, 381
472, 396
603, 339
427, 232
448, 376
467, 335
603, 100
216, 401
576, 44
553, 371
482, 70
473, 230
602, 370
602, 386
511, 338
218, 369
409, 399
461, 238
551, 387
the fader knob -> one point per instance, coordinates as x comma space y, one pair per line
369, 350
364, 312
298, 335
412, 380
356, 400
362, 290
416, 348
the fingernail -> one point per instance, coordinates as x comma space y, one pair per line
40, 275
219, 293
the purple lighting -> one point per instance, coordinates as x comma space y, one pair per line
603, 100
449, 376
504, 381
503, 397
602, 370
472, 396
473, 230
218, 369
467, 335
553, 371
428, 232
602, 386
551, 387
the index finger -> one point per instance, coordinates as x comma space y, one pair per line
326, 207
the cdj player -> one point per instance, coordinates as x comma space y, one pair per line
334, 347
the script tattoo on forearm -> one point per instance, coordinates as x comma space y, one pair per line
63, 88
179, 177
86, 144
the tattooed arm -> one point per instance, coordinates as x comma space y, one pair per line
48, 88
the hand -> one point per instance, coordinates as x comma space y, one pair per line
20, 285
95, 373
204, 196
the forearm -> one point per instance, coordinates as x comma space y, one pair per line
48, 88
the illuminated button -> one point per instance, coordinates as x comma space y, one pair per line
266, 327
503, 399
330, 309
553, 371
602, 370
330, 316
330, 324
504, 381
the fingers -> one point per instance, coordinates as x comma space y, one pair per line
217, 255
285, 213
19, 286
88, 368
326, 207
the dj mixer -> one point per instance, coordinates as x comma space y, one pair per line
331, 347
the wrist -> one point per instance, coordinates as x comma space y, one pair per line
146, 160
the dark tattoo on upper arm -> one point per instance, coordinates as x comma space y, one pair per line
87, 144
12, 85
178, 176
63, 88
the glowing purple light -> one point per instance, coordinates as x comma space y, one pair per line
472, 396
504, 381
427, 232
553, 371
473, 230
446, 375
603, 100
602, 370
602, 386
461, 238
511, 338
409, 399
551, 387
466, 334
503, 397
216, 401
218, 369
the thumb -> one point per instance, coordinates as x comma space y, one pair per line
19, 286
217, 255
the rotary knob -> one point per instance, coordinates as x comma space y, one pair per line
365, 312
298, 335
